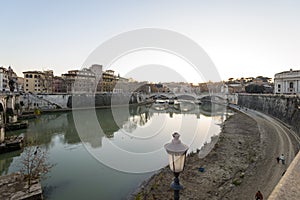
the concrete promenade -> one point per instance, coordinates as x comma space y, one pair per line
289, 185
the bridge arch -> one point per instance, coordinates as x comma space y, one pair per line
186, 97
2, 105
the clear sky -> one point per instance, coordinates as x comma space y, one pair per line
243, 38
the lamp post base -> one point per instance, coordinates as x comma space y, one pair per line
175, 185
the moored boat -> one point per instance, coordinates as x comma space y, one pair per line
16, 125
12, 143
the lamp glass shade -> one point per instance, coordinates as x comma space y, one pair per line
177, 153
176, 162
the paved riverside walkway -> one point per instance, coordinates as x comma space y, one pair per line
289, 185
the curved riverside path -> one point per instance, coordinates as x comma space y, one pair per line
242, 162
276, 139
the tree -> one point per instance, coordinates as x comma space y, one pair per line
230, 80
34, 163
253, 88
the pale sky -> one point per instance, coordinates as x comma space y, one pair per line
243, 38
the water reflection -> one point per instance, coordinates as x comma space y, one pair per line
136, 129
138, 133
130, 118
6, 160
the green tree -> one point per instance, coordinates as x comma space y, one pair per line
253, 88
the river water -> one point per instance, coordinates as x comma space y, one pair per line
107, 153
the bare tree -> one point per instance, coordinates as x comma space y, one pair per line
34, 163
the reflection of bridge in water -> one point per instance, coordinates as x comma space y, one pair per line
220, 97
189, 107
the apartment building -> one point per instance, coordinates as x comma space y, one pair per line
34, 82
38, 82
80, 81
108, 81
59, 85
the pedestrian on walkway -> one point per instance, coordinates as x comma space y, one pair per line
278, 159
282, 159
259, 196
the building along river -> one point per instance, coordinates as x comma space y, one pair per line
108, 153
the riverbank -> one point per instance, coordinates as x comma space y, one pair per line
13, 186
230, 165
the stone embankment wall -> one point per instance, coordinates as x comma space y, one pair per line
59, 99
99, 100
287, 109
284, 107
52, 101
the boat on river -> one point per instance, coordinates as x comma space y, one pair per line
11, 143
16, 125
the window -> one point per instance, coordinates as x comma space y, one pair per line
35, 76
279, 86
26, 85
291, 87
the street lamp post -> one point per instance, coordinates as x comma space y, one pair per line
177, 153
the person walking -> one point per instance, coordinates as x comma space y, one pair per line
259, 196
282, 159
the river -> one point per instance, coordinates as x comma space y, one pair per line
108, 153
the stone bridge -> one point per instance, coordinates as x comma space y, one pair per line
9, 103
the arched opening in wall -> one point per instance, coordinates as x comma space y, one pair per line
1, 113
1, 107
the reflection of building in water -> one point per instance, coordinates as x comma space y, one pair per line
107, 123
4, 164
139, 116
7, 159
81, 125
42, 129
131, 125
